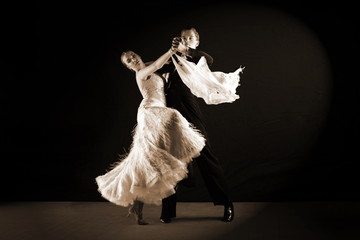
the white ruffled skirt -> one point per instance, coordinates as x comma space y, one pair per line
164, 142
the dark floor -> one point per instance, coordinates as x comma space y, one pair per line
195, 220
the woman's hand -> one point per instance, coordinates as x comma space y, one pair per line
179, 45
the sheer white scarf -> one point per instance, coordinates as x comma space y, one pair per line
214, 87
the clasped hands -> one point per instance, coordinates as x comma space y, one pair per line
178, 45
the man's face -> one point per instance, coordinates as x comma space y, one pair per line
189, 39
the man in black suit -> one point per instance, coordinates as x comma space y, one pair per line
179, 96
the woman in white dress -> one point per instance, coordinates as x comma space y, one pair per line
164, 142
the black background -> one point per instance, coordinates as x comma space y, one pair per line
68, 105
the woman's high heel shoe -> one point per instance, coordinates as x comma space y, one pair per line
136, 209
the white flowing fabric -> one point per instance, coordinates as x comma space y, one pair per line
214, 87
164, 143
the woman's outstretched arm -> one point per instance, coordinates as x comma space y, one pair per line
156, 65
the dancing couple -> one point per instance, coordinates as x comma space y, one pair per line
170, 132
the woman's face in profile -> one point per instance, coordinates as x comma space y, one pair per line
131, 60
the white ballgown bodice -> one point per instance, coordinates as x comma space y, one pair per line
152, 90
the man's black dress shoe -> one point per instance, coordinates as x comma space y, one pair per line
228, 213
165, 220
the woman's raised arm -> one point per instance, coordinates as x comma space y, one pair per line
156, 65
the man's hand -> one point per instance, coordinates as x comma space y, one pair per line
179, 45
175, 43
